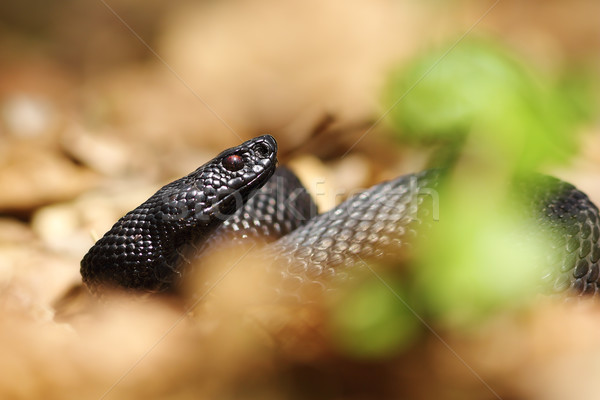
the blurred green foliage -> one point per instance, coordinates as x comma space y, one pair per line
500, 117
479, 88
372, 320
485, 254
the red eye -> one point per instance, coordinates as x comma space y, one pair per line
233, 163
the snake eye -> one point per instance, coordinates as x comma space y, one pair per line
261, 150
233, 163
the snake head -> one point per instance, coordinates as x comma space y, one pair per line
145, 249
213, 192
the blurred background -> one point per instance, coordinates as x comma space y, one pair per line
103, 102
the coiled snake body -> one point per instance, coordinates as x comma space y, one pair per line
240, 195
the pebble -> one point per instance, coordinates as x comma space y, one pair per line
26, 115
34, 175
329, 185
101, 152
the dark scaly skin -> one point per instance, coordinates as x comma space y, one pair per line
378, 224
381, 224
573, 223
146, 248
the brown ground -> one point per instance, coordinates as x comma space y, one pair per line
93, 121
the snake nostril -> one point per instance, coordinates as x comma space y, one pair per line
233, 162
261, 150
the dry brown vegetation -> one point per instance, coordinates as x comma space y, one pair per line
92, 121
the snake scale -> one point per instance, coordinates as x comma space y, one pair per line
242, 195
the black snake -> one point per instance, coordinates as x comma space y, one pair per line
241, 194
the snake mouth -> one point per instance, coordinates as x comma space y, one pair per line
255, 184
270, 154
